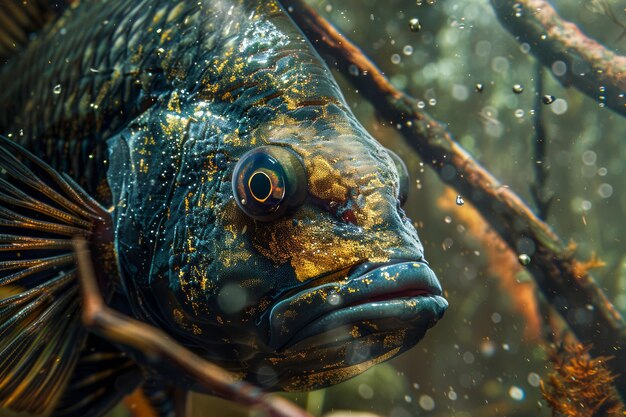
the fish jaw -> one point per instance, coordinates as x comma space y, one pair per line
394, 297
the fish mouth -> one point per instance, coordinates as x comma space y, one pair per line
374, 298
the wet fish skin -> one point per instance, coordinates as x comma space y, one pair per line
158, 101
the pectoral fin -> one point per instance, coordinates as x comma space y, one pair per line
41, 334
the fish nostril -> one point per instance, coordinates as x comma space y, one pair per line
348, 216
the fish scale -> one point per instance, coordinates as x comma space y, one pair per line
89, 72
163, 112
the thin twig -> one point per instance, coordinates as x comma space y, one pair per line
562, 278
590, 67
155, 345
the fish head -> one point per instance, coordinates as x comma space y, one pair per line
267, 234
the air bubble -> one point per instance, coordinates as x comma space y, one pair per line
415, 25
57, 89
518, 88
548, 99
334, 299
459, 200
524, 259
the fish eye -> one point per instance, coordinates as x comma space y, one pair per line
268, 181
403, 175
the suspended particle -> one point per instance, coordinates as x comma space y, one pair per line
57, 89
518, 88
548, 99
524, 259
414, 25
479, 87
459, 200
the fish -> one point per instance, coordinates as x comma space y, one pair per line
228, 195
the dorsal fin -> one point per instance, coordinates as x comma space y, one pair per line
41, 334
19, 19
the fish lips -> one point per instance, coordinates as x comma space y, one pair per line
396, 296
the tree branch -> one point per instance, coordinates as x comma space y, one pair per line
561, 277
591, 68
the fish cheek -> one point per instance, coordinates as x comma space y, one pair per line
315, 244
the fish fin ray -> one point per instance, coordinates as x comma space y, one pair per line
103, 375
41, 334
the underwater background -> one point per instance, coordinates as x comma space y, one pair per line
490, 352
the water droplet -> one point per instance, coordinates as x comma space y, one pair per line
334, 299
518, 88
414, 25
459, 200
496, 318
559, 68
516, 393
479, 87
534, 379
57, 89
548, 99
427, 402
524, 259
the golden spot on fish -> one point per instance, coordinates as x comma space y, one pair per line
394, 339
327, 182
335, 376
175, 12
173, 103
312, 249
174, 126
355, 332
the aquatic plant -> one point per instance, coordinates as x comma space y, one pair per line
580, 386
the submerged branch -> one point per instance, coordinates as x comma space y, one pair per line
591, 67
562, 278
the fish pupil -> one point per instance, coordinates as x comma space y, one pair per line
260, 186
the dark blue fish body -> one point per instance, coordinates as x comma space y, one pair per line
254, 218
